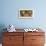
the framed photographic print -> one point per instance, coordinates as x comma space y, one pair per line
25, 13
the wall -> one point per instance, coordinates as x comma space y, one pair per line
9, 13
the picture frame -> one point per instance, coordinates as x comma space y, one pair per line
26, 13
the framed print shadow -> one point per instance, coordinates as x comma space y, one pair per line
25, 13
